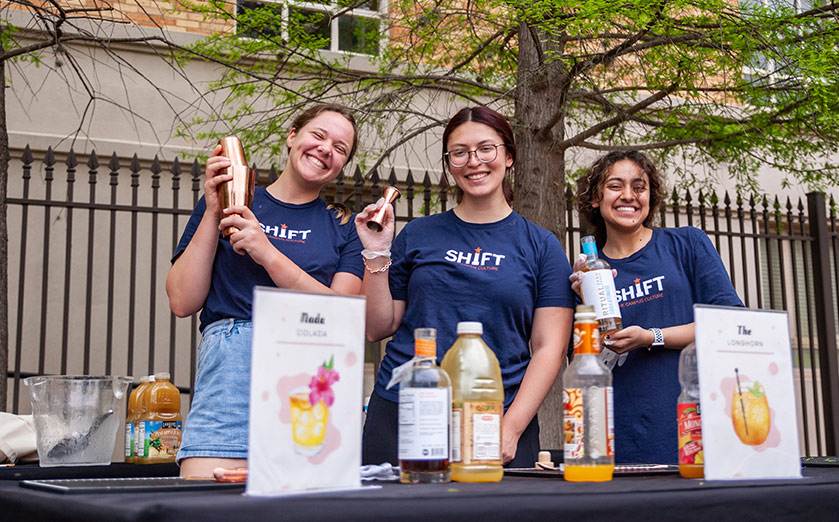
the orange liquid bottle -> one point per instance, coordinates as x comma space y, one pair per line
163, 423
133, 415
588, 423
691, 454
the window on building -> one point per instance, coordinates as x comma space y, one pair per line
353, 26
761, 68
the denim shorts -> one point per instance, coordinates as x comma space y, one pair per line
217, 423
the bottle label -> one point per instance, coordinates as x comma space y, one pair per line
598, 288
129, 439
161, 439
139, 436
423, 423
599, 425
457, 431
586, 338
690, 433
479, 432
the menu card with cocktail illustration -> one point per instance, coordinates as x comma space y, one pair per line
747, 396
306, 392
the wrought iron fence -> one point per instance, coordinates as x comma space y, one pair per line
87, 272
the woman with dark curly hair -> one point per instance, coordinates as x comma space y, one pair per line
661, 274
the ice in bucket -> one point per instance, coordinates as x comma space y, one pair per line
76, 418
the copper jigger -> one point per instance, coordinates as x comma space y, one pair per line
239, 190
375, 223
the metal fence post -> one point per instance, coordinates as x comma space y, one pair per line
825, 327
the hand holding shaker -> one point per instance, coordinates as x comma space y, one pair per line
375, 223
239, 190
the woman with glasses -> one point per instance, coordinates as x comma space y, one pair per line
480, 261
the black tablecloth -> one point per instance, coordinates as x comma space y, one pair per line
117, 469
514, 498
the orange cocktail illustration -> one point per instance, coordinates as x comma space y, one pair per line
750, 413
308, 422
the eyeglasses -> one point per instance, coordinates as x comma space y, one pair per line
484, 153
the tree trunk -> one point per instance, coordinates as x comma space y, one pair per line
540, 170
4, 251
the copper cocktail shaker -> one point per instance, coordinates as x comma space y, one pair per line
239, 190
375, 223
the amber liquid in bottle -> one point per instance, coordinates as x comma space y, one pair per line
425, 401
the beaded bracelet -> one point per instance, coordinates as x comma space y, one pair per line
378, 270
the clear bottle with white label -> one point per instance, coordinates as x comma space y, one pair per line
425, 406
589, 454
477, 406
598, 289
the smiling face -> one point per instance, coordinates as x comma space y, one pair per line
319, 149
624, 197
477, 179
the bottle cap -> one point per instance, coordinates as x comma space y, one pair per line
161, 376
470, 327
589, 245
425, 342
585, 313
544, 460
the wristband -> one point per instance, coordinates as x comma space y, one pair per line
658, 337
373, 254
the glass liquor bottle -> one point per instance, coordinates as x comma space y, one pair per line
425, 406
589, 453
598, 289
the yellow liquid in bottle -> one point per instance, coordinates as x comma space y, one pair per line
596, 473
476, 380
476, 473
692, 470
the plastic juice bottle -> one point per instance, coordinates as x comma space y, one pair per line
133, 416
131, 412
598, 289
691, 455
425, 409
589, 453
163, 423
477, 406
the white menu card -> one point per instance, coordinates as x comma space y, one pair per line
749, 421
306, 392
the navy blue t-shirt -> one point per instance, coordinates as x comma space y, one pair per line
309, 234
448, 270
657, 287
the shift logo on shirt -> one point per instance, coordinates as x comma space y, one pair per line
284, 233
641, 291
477, 259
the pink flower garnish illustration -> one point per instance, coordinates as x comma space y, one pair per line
321, 384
